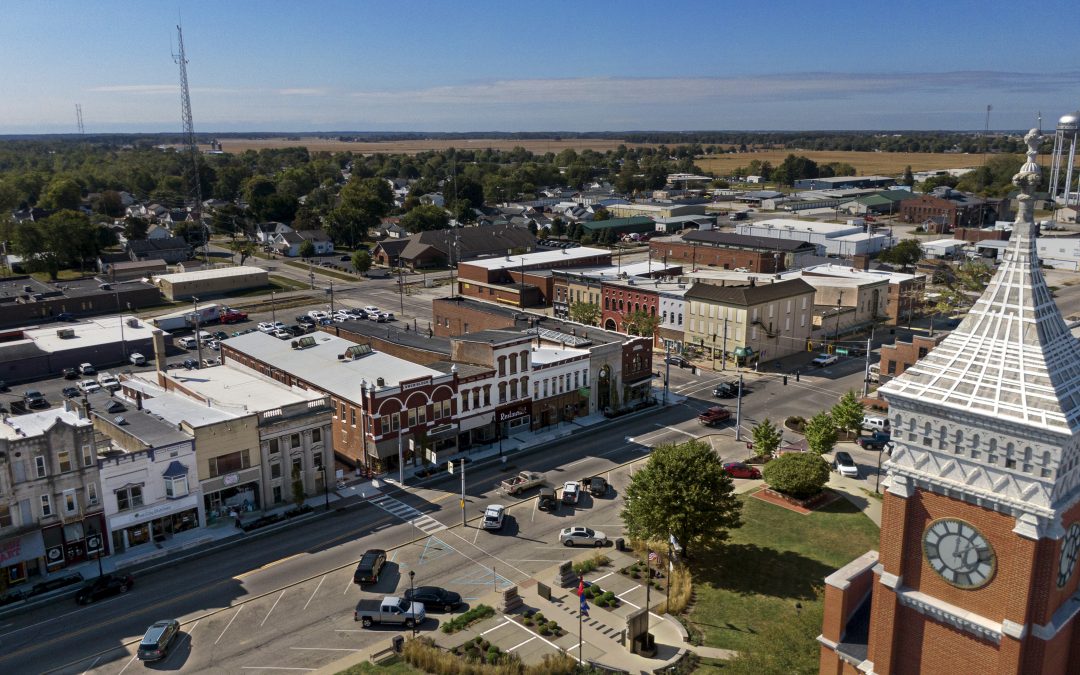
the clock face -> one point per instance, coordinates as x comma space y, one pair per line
959, 553
1070, 550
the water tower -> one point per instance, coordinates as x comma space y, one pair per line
1065, 145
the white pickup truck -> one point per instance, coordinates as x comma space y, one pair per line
521, 482
108, 381
390, 609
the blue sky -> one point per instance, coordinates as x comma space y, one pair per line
324, 65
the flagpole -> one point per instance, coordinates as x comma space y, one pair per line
648, 585
581, 591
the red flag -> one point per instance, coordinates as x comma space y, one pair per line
581, 586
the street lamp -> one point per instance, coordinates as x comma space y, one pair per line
92, 534
412, 595
326, 486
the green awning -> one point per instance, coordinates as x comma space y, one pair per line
744, 351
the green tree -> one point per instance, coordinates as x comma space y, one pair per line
642, 323
909, 178
361, 260
363, 202
905, 254
767, 438
135, 228
425, 217
245, 248
820, 432
64, 239
799, 474
297, 487
848, 412
683, 491
556, 229
61, 193
585, 312
307, 249
600, 214
110, 204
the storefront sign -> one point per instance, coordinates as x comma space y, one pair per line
416, 384
158, 510
93, 544
507, 414
231, 479
20, 549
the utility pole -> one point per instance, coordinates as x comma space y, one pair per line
198, 339
667, 371
738, 411
723, 351
78, 118
461, 463
866, 367
273, 308
400, 462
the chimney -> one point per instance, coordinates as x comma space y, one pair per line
753, 282
159, 349
138, 400
860, 262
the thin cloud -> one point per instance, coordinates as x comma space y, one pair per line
157, 89
302, 91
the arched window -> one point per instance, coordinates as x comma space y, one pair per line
502, 392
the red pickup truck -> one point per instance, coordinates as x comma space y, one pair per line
232, 316
714, 416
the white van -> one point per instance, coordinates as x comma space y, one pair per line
875, 423
187, 342
108, 381
875, 373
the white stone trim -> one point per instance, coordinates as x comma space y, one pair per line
1013, 629
890, 581
950, 614
842, 577
1061, 618
900, 485
867, 667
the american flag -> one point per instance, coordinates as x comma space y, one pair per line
653, 556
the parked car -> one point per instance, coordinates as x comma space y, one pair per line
726, 390
677, 361
570, 492
70, 392
547, 501
191, 364
89, 386
158, 640
493, 517
34, 399
597, 486
283, 334
215, 345
206, 363
70, 373
371, 309
521, 482
188, 342
137, 359
434, 598
232, 316
86, 369
843, 463
220, 335
305, 320
875, 423
65, 316
582, 536
268, 327
740, 470
369, 567
386, 316
390, 610
822, 360
318, 314
875, 441
108, 381
104, 587
56, 582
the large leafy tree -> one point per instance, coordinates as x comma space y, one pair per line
585, 312
820, 432
905, 254
66, 238
642, 323
307, 249
683, 491
425, 217
245, 248
799, 474
848, 412
363, 202
62, 193
361, 260
767, 437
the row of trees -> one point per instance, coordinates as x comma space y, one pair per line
66, 239
793, 168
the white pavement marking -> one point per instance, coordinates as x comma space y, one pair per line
128, 663
583, 459
529, 631
327, 649
271, 609
680, 431
570, 649
495, 628
350, 630
521, 644
306, 670
596, 581
628, 591
314, 592
658, 618
347, 587
240, 609
413, 516
91, 666
491, 555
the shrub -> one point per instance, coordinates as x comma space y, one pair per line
800, 475
478, 613
586, 566
608, 599
544, 630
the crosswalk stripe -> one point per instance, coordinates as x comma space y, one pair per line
409, 514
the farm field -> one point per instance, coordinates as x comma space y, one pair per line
866, 163
317, 144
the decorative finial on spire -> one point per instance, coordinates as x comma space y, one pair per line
1027, 180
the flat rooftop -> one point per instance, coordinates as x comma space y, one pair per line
780, 225
153, 430
100, 331
36, 423
320, 365
234, 387
216, 273
537, 258
546, 356
633, 269
395, 332
177, 408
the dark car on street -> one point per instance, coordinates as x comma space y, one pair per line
370, 566
434, 598
726, 390
56, 582
597, 485
35, 399
547, 500
740, 470
104, 587
677, 361
875, 441
70, 374
158, 640
70, 392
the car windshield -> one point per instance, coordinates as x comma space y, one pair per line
586, 532
403, 604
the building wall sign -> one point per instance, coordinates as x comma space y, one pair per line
19, 549
230, 479
415, 384
125, 520
513, 412
249, 475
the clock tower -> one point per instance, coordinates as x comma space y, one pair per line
980, 529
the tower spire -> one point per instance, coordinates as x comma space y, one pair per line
189, 138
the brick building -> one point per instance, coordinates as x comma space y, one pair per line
523, 280
945, 209
898, 357
980, 527
624, 298
710, 248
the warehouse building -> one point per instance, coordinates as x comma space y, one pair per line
205, 283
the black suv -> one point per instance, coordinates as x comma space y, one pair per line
547, 501
103, 587
367, 572
597, 486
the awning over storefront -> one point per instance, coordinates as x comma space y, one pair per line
152, 512
21, 549
640, 381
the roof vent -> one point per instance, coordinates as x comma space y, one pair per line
120, 421
295, 344
380, 382
65, 333
340, 357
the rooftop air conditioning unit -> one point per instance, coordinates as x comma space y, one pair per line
295, 344
133, 322
65, 333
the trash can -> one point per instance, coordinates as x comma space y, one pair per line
620, 545
399, 643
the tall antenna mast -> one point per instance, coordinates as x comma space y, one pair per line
189, 141
78, 118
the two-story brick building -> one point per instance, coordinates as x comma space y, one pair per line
727, 250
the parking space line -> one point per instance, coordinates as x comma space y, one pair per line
348, 585
314, 592
658, 618
128, 663
240, 609
306, 670
521, 644
327, 649
495, 628
271, 609
629, 591
91, 666
596, 581
475, 536
530, 632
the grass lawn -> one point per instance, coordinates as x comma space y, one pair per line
322, 270
63, 275
392, 667
745, 593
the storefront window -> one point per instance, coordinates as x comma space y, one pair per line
129, 498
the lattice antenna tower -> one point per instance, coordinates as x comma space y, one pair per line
189, 135
78, 118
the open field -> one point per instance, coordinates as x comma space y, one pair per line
317, 144
866, 163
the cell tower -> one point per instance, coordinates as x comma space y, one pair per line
78, 117
189, 139
1064, 158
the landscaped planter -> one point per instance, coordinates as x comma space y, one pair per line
808, 503
536, 621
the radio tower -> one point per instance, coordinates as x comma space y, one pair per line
189, 141
78, 117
